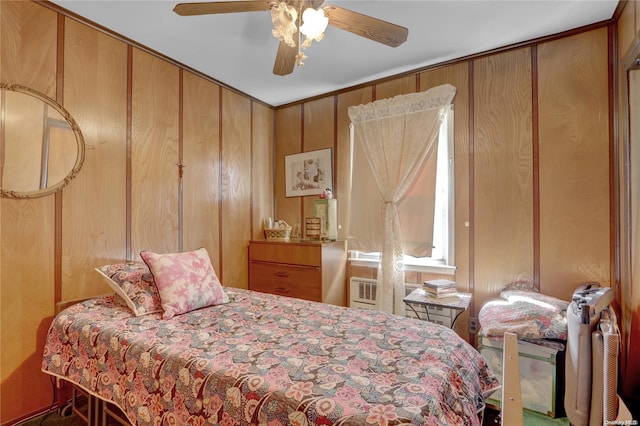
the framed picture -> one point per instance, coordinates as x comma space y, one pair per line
308, 173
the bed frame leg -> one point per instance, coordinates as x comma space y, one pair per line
62, 396
65, 411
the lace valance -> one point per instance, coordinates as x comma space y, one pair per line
435, 98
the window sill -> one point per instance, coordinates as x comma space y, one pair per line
433, 268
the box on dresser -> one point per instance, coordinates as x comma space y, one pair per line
310, 270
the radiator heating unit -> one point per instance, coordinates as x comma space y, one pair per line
362, 293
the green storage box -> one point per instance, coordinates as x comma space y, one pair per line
541, 374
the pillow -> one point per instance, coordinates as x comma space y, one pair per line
528, 314
133, 282
186, 281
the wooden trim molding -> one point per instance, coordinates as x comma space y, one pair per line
614, 252
57, 246
536, 166
129, 143
472, 310
220, 180
180, 164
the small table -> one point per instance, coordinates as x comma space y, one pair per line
438, 308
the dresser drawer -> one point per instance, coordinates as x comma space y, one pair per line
290, 253
303, 282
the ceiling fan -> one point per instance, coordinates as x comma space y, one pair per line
294, 18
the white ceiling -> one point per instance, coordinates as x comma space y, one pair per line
238, 49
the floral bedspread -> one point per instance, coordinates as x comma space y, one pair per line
270, 360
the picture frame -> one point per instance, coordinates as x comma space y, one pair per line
308, 173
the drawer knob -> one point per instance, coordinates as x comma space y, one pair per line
281, 274
281, 290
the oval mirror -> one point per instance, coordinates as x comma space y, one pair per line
41, 145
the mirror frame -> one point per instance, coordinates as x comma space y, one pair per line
8, 193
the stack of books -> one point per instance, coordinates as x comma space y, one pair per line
440, 288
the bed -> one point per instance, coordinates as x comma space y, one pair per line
265, 359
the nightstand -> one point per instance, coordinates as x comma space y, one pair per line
444, 311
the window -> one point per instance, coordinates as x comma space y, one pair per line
443, 219
442, 255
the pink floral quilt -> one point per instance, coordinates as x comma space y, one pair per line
269, 360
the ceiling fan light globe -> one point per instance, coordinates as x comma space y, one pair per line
284, 19
314, 23
306, 43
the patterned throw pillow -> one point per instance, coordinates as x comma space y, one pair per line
186, 281
133, 282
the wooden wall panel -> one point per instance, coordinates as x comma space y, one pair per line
574, 163
236, 189
628, 27
28, 46
201, 156
27, 304
95, 93
319, 125
262, 187
154, 155
397, 86
288, 140
503, 165
27, 57
631, 327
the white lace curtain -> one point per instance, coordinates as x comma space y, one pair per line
393, 140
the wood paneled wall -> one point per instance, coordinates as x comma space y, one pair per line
532, 162
141, 116
575, 175
502, 172
27, 229
533, 146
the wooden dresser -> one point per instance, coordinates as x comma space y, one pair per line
310, 270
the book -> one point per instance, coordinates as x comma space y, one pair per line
440, 292
439, 289
442, 295
439, 284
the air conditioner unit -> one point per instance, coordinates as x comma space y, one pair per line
363, 293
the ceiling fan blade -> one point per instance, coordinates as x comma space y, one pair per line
366, 26
285, 59
209, 8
